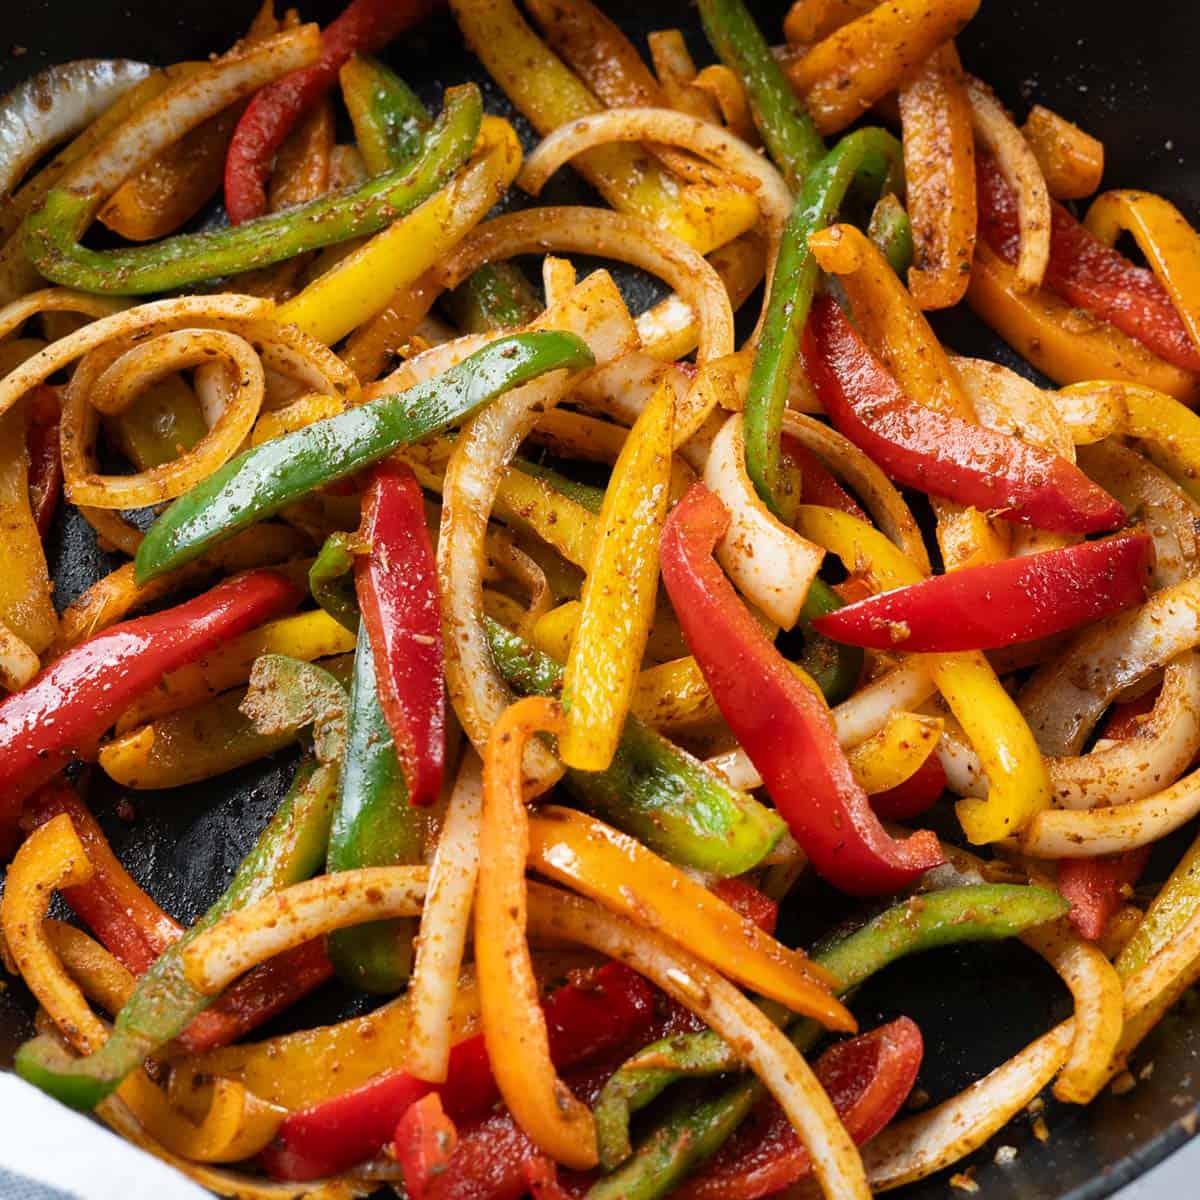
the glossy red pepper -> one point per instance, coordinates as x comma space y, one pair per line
64, 711
1002, 603
397, 590
784, 728
917, 794
868, 1078
542, 1176
1087, 273
425, 1139
746, 899
938, 452
818, 485
584, 1019
365, 27
45, 459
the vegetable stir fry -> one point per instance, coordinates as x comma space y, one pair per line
592, 636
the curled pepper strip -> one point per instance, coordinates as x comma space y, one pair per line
619, 593
783, 727
52, 231
513, 1024
870, 156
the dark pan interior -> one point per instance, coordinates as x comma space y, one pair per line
1128, 81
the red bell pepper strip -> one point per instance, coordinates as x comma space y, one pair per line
583, 1019
364, 28
939, 453
999, 604
747, 900
397, 591
1097, 887
917, 794
122, 916
67, 707
425, 1139
1087, 273
784, 728
868, 1078
45, 459
542, 1176
818, 485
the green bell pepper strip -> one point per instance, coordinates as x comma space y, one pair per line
158, 425
374, 826
52, 231
891, 230
389, 121
291, 849
1169, 912
269, 477
584, 494
872, 157
331, 580
653, 790
834, 667
692, 1132
787, 130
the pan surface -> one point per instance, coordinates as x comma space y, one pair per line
1128, 82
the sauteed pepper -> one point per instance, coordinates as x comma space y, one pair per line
610, 1009
290, 849
45, 459
52, 230
997, 604
67, 708
941, 453
784, 728
365, 26
654, 789
871, 157
258, 483
693, 1130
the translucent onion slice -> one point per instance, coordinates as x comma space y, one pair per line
772, 565
15, 314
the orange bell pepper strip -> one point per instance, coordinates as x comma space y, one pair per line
843, 75
1170, 244
1072, 161
1019, 784
939, 164
514, 1026
618, 871
1066, 343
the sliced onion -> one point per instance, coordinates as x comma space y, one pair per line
16, 313
484, 447
1096, 989
885, 504
1163, 509
995, 131
771, 564
18, 663
1064, 699
54, 105
664, 125
764, 1048
444, 924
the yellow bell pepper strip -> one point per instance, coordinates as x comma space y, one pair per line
1066, 343
101, 977
654, 790
619, 593
894, 754
784, 728
842, 76
52, 230
618, 871
1170, 244
269, 477
543, 89
1072, 161
787, 130
1018, 782
361, 285
514, 1026
25, 586
305, 637
939, 168
871, 156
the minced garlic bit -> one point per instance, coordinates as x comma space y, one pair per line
964, 1182
1040, 1129
1005, 1154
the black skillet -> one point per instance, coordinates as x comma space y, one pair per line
1127, 78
